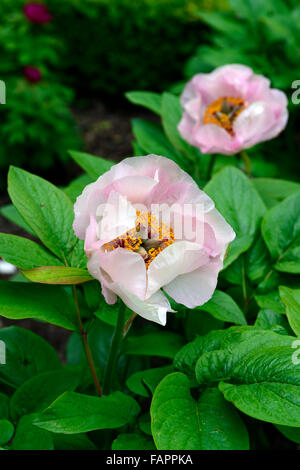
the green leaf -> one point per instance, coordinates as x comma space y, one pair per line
268, 319
74, 413
186, 358
293, 434
270, 301
145, 381
273, 190
11, 213
4, 406
222, 23
257, 375
41, 390
58, 275
291, 301
26, 356
258, 261
223, 307
30, 437
227, 189
147, 99
160, 343
6, 431
281, 232
145, 423
45, 208
93, 166
171, 115
51, 304
151, 138
179, 422
133, 441
25, 253
72, 442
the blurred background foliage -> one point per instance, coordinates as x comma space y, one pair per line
99, 49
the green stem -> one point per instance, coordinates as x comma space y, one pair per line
210, 166
247, 162
114, 350
83, 335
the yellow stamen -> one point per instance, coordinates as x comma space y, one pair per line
223, 112
161, 235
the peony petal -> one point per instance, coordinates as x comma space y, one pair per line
93, 266
214, 139
195, 288
223, 232
179, 258
154, 308
127, 268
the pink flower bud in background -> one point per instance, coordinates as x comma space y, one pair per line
32, 74
137, 257
231, 109
37, 13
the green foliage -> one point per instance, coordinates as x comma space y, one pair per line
37, 127
126, 37
179, 422
209, 379
74, 413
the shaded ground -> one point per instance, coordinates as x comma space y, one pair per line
106, 131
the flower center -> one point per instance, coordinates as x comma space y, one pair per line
223, 112
148, 238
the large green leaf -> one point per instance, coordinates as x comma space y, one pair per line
148, 99
179, 422
74, 413
25, 253
281, 232
291, 301
26, 356
237, 200
93, 166
51, 304
257, 375
223, 307
58, 275
160, 343
41, 390
30, 437
45, 208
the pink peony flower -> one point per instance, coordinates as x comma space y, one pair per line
37, 13
231, 109
135, 253
32, 74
